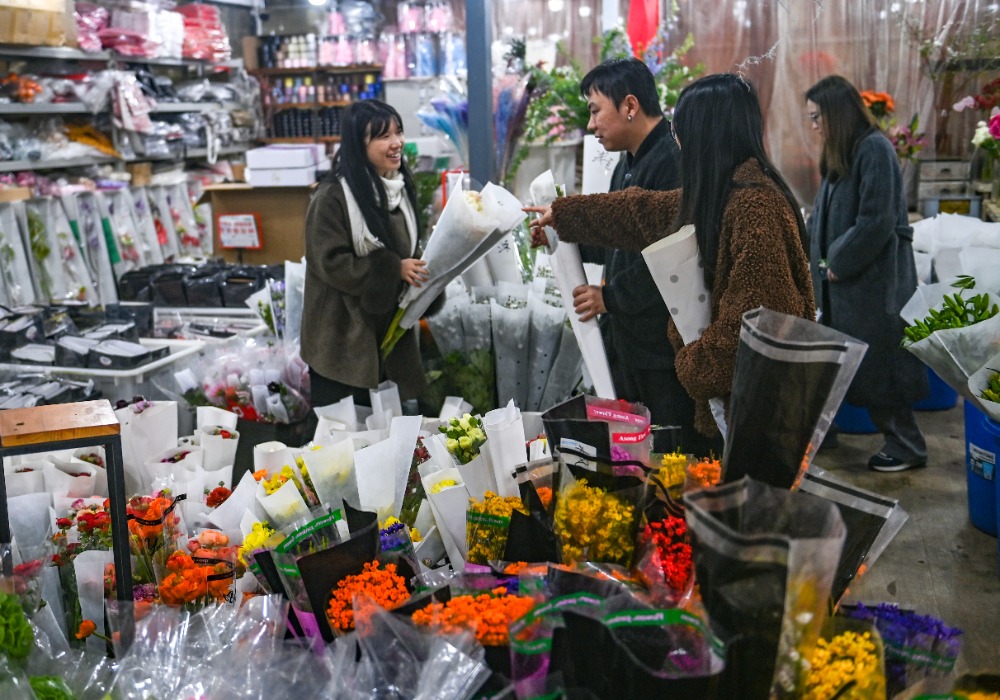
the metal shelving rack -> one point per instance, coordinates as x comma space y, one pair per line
108, 58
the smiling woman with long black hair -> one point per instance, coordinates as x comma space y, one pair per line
361, 251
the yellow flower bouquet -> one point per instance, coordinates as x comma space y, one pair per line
597, 514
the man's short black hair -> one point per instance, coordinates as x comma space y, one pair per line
618, 77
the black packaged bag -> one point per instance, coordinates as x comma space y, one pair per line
791, 375
134, 285
764, 560
167, 286
139, 313
239, 282
203, 287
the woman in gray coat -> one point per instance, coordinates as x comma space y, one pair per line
862, 263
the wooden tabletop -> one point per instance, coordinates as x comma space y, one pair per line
65, 421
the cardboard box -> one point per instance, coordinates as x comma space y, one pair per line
281, 177
282, 212
37, 22
251, 44
14, 194
279, 156
141, 172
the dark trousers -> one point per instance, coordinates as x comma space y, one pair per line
326, 391
668, 402
903, 438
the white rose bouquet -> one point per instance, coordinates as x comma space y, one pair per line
468, 228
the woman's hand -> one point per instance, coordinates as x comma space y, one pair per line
830, 276
413, 272
588, 301
538, 237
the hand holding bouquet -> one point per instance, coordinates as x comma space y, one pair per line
471, 223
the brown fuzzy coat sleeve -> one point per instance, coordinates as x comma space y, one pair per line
760, 263
628, 220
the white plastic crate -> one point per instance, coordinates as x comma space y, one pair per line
122, 383
245, 322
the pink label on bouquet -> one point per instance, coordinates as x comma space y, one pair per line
602, 413
630, 438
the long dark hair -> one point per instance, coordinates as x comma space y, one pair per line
618, 78
846, 120
361, 122
719, 125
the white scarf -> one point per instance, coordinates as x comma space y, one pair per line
362, 238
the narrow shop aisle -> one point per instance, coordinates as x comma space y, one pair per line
939, 564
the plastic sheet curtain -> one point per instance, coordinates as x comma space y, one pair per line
574, 23
895, 46
784, 46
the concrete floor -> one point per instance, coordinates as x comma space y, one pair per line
939, 564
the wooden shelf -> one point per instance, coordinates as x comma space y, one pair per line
174, 107
18, 108
289, 139
67, 54
370, 68
7, 166
302, 139
308, 105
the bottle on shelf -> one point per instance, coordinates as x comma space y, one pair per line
310, 54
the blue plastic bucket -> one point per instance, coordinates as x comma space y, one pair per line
982, 443
941, 398
854, 420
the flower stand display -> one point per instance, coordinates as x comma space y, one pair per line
92, 423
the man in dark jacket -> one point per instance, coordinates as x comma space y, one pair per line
625, 115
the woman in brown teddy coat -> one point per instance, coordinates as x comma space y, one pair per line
749, 230
361, 252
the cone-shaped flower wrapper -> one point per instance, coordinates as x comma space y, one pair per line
764, 560
791, 375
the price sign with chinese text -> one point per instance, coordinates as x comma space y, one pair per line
239, 231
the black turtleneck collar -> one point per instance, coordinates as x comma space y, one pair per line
661, 130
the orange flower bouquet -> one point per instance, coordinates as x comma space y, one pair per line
154, 527
906, 139
382, 586
703, 474
487, 615
880, 104
193, 582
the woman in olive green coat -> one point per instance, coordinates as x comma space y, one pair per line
361, 251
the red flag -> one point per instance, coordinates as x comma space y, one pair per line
643, 20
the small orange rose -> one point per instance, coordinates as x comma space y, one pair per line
87, 628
